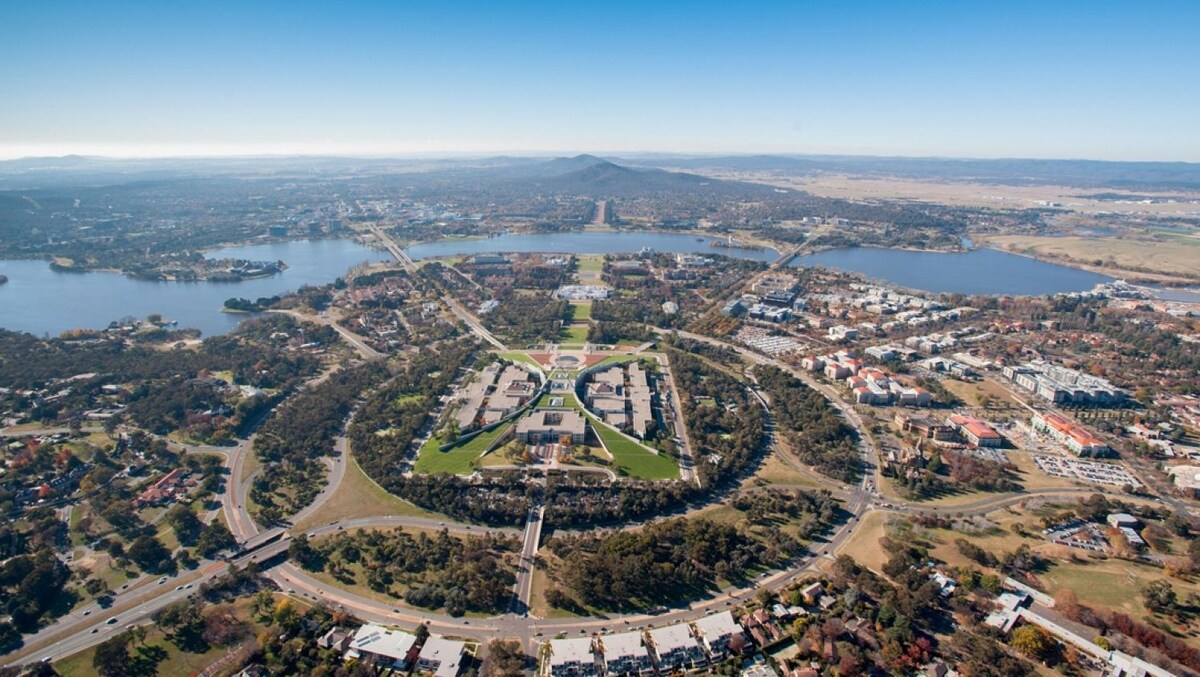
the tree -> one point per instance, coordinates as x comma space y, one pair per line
9, 637
506, 658
112, 656
187, 526
262, 604
286, 615
149, 553
1159, 597
1031, 641
180, 620
213, 539
301, 552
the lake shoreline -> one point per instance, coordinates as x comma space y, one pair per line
1130, 276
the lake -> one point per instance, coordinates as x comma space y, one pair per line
41, 301
619, 242
980, 271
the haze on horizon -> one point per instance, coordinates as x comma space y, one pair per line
1095, 80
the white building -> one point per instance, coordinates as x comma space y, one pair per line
716, 632
377, 645
441, 656
675, 648
573, 657
625, 654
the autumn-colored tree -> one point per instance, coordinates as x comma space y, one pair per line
1032, 641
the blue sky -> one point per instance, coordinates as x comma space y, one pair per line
1103, 80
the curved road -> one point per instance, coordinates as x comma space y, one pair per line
859, 499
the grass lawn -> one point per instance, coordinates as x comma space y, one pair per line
635, 459
458, 459
574, 333
973, 393
775, 471
1116, 584
520, 357
864, 546
591, 264
358, 496
617, 359
583, 310
250, 464
568, 400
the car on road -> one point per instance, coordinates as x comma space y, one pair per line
162, 580
111, 621
87, 613
95, 630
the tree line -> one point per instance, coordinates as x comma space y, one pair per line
813, 427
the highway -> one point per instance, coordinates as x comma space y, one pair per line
459, 311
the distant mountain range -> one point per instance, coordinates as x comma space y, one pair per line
1009, 171
596, 177
632, 175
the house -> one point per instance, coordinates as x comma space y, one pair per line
573, 657
812, 592
716, 632
676, 648
162, 490
441, 656
376, 645
624, 654
337, 638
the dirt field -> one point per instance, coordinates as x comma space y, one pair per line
966, 194
1175, 257
863, 546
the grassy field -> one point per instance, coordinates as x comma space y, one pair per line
582, 310
250, 464
458, 459
574, 333
591, 264
358, 496
636, 460
972, 393
1146, 255
1116, 584
520, 357
617, 359
863, 546
775, 471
